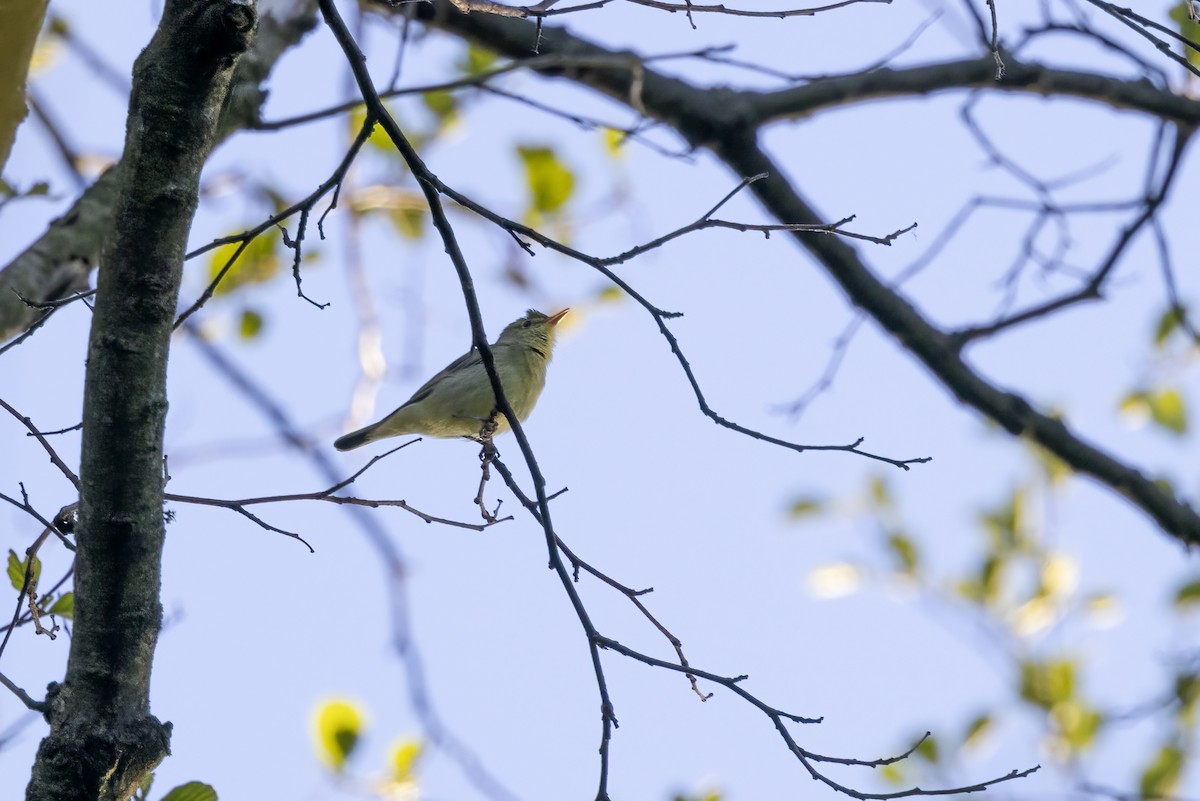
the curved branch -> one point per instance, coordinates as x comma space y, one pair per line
727, 121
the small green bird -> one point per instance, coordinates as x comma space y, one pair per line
459, 400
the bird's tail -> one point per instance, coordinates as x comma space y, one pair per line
355, 439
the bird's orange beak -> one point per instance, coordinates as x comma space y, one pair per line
555, 318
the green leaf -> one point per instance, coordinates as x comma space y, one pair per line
444, 106
339, 725
16, 571
1188, 28
1188, 595
610, 293
1168, 323
250, 324
978, 730
476, 61
806, 506
1165, 407
1005, 523
379, 139
64, 606
409, 221
403, 759
192, 791
614, 142
893, 774
904, 550
881, 496
550, 181
1162, 774
1077, 724
258, 262
1168, 410
1047, 683
929, 751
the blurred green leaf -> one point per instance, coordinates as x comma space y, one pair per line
403, 759
250, 324
805, 507
880, 494
893, 774
476, 61
64, 606
1188, 28
929, 751
1005, 523
551, 182
1160, 777
1165, 407
258, 263
444, 106
904, 550
610, 293
16, 570
379, 139
1187, 690
192, 791
1168, 324
1188, 595
339, 724
1168, 410
978, 730
614, 142
1047, 683
409, 221
1077, 724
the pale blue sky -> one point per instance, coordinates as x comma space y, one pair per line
260, 630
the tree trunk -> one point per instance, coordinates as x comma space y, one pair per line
103, 739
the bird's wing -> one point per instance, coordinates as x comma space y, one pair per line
468, 359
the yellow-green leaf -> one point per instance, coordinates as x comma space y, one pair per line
1160, 777
338, 725
258, 262
611, 293
550, 181
409, 221
904, 551
1169, 411
16, 570
1047, 683
476, 61
403, 758
1188, 595
806, 506
928, 750
881, 495
1165, 407
444, 106
1167, 324
192, 791
1077, 724
250, 324
64, 606
1188, 28
614, 142
978, 730
378, 139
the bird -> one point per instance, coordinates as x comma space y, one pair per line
459, 402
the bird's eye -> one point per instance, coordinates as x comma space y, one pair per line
527, 323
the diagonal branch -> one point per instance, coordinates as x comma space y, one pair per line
730, 127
